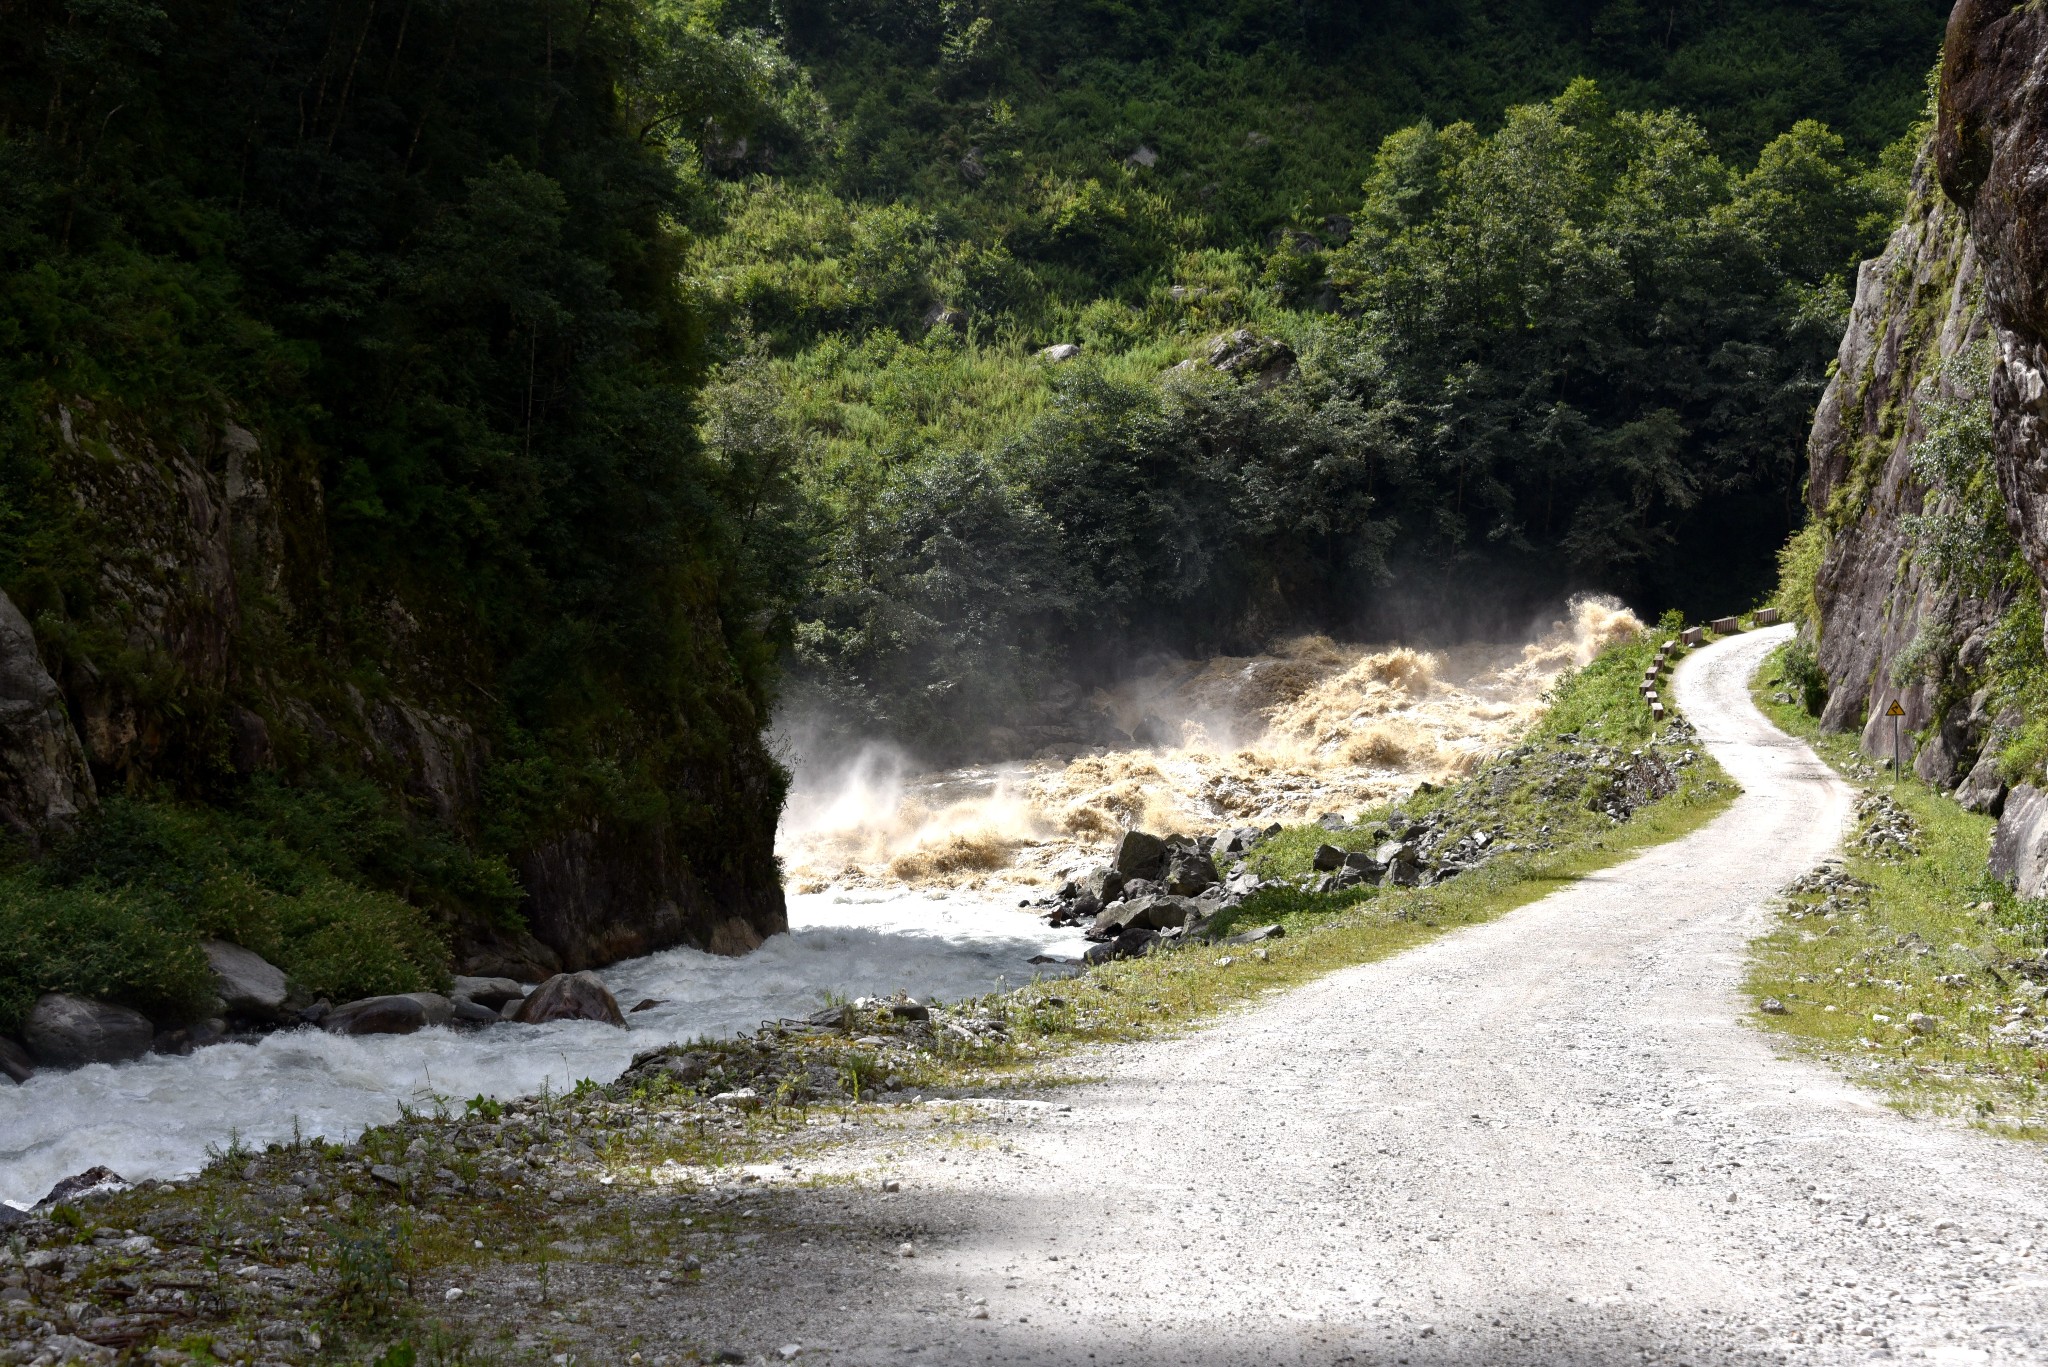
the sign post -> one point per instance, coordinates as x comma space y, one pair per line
1895, 712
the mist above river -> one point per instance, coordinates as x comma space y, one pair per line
1310, 728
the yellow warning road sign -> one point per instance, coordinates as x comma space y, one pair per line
1895, 710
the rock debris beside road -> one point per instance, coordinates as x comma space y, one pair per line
1554, 1138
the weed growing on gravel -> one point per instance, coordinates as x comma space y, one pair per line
1908, 964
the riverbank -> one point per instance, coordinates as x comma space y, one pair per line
360, 1243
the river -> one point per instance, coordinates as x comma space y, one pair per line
158, 1117
900, 880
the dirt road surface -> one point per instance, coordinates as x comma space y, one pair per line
1557, 1138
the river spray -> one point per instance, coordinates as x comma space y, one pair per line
1309, 728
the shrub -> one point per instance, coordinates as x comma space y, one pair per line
341, 941
110, 944
1799, 563
1801, 669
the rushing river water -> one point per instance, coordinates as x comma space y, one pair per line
905, 881
158, 1117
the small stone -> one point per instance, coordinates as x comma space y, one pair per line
1920, 1023
691, 1264
1771, 1006
979, 1312
388, 1175
789, 1350
906, 1250
452, 1294
892, 1185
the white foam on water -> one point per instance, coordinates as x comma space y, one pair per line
157, 1117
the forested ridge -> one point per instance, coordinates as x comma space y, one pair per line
1393, 321
435, 435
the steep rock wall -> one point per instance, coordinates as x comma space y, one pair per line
1991, 145
1916, 306
207, 651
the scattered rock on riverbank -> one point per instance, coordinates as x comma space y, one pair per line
65, 1031
246, 983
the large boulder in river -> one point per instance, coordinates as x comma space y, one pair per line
63, 1031
1139, 855
571, 997
44, 783
15, 1064
491, 992
439, 1009
245, 981
394, 1015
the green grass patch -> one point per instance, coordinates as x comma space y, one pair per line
1925, 981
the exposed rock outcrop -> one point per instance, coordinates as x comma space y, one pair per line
1991, 142
44, 782
207, 642
1916, 306
2019, 847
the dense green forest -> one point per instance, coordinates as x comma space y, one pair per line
619, 367
1391, 320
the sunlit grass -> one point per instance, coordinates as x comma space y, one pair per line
1937, 935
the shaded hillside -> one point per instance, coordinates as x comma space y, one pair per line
348, 481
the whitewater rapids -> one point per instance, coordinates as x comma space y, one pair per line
158, 1117
900, 882
1309, 729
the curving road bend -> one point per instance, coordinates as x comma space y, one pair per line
1551, 1139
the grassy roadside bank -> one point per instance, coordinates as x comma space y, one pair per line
319, 1252
1909, 966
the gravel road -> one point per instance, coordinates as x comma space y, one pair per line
1551, 1139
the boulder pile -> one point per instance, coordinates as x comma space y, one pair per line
1156, 889
1889, 831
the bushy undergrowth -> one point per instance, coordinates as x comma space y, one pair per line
309, 878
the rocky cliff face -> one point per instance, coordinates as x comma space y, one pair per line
1991, 145
43, 779
207, 652
1917, 305
1967, 268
